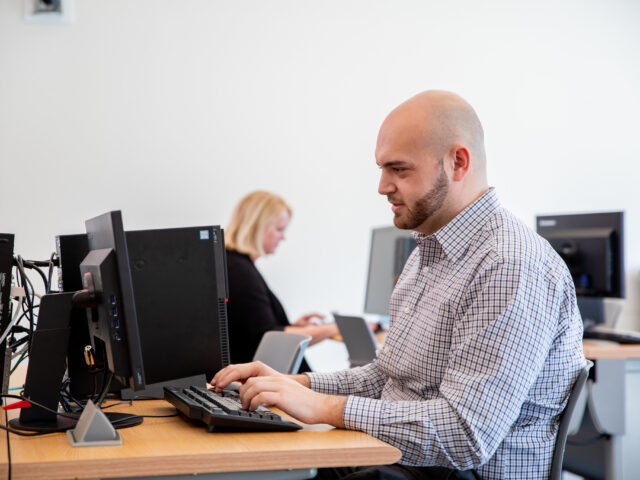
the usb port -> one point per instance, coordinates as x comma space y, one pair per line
117, 335
116, 323
114, 311
113, 299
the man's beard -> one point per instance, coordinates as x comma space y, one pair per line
426, 206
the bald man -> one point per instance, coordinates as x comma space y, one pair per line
484, 342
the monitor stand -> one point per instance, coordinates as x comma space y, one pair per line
47, 363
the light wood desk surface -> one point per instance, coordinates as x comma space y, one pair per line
594, 350
169, 446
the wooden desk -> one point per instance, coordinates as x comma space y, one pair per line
598, 350
612, 396
170, 446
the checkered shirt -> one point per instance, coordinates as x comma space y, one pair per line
483, 347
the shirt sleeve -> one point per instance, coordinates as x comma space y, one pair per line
507, 324
366, 381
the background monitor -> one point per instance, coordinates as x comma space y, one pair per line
390, 249
592, 245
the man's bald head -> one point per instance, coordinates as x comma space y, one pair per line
431, 153
442, 120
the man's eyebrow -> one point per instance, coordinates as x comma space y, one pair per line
394, 163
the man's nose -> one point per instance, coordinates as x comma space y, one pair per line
385, 187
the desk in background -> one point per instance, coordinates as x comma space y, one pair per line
613, 408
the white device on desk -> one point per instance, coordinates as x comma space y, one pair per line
358, 338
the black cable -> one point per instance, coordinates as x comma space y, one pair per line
39, 405
18, 342
24, 434
29, 298
53, 262
105, 387
29, 264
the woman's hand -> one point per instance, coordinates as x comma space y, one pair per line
309, 319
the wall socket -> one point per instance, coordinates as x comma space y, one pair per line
49, 12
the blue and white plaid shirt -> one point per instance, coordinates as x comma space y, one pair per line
483, 347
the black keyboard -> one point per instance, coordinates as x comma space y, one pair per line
620, 336
223, 411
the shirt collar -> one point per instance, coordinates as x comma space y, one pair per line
456, 235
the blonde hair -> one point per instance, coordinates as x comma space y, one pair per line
251, 217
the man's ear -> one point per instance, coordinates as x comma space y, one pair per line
461, 162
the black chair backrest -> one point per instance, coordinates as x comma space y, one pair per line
565, 420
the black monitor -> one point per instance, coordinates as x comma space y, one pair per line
108, 297
180, 289
390, 249
6, 265
592, 245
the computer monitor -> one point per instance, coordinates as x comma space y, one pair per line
390, 249
180, 289
109, 299
6, 265
592, 246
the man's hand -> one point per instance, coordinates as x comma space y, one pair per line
289, 395
262, 385
239, 373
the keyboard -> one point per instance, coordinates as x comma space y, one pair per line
604, 333
223, 410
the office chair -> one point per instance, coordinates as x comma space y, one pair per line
568, 423
282, 351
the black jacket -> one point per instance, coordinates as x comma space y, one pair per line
252, 309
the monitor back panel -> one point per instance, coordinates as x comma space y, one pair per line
390, 248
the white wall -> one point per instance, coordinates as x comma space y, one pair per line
172, 110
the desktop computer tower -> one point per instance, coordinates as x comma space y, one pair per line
6, 265
179, 283
180, 291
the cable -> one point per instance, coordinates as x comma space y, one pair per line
24, 434
53, 262
105, 388
29, 264
39, 405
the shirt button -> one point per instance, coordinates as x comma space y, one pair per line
407, 310
425, 269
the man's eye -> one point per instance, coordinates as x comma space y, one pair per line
398, 169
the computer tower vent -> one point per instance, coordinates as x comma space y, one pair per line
224, 333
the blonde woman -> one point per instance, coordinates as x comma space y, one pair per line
256, 228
